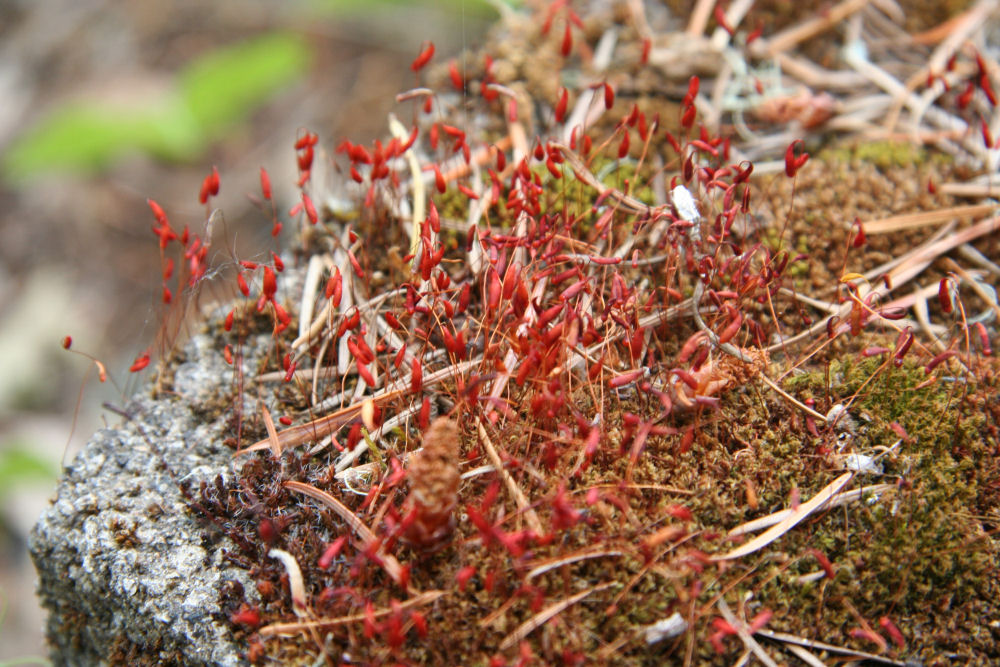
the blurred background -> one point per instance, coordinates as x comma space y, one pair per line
107, 103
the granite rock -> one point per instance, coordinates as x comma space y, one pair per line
128, 574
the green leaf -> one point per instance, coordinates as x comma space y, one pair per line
19, 465
222, 87
215, 91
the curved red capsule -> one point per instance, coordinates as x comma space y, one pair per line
310, 209
567, 42
140, 362
425, 57
456, 77
626, 378
560, 109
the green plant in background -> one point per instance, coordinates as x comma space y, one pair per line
215, 91
18, 465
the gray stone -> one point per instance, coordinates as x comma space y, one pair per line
125, 569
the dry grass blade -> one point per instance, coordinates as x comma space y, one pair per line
310, 285
829, 648
915, 220
566, 560
968, 279
544, 615
418, 189
804, 655
909, 266
515, 491
295, 628
744, 635
272, 434
317, 428
794, 517
296, 585
389, 562
836, 501
799, 33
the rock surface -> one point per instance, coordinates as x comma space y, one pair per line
127, 573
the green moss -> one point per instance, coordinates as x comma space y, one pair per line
883, 154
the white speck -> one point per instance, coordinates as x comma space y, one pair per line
672, 626
685, 204
862, 463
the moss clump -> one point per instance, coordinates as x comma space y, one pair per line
920, 553
882, 154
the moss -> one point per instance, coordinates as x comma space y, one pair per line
883, 154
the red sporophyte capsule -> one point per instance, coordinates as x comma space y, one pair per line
792, 163
365, 374
679, 512
425, 57
215, 181
553, 168
355, 264
560, 110
310, 209
688, 116
140, 362
626, 378
984, 339
229, 320
966, 96
265, 184
241, 281
205, 191
307, 139
567, 41
416, 377
456, 77
67, 342
158, 213
944, 295
647, 45
279, 265
623, 146
227, 353
860, 238
720, 18
824, 562
270, 284
609, 96
465, 190
439, 181
692, 92
938, 360
393, 321
424, 417
248, 616
903, 343
464, 575
894, 634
